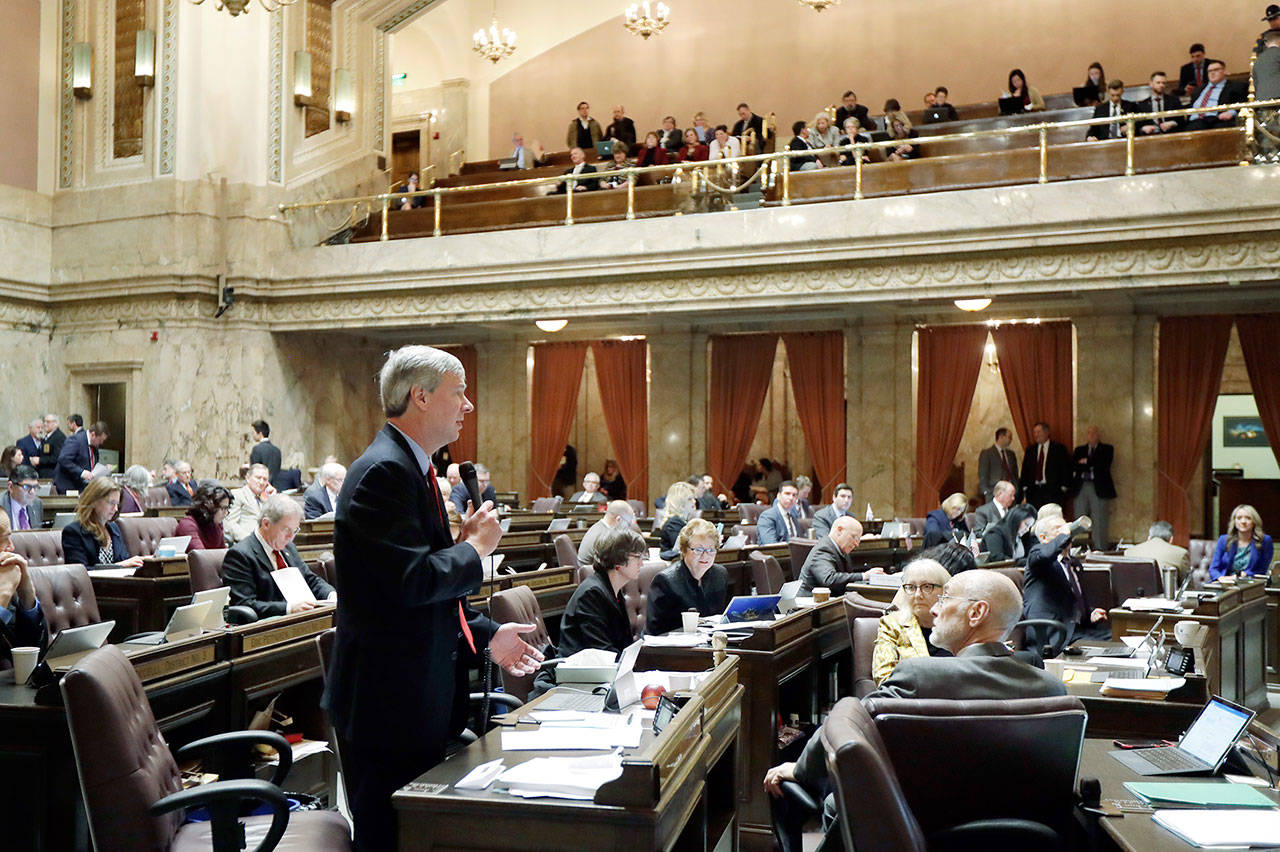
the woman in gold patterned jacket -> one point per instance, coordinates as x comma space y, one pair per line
904, 632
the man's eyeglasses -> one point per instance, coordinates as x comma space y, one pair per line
946, 597
30, 489
923, 588
703, 551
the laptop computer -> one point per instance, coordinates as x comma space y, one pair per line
186, 621
61, 519
605, 148
1203, 747
934, 115
218, 600
74, 642
558, 525
173, 546
1084, 95
621, 694
787, 596
1012, 106
751, 608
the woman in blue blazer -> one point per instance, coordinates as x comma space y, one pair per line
947, 522
93, 539
1244, 549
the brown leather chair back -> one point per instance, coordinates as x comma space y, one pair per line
766, 573
637, 508
1013, 573
156, 496
874, 813
142, 535
322, 565
520, 605
121, 756
864, 632
1095, 583
1028, 749
803, 526
800, 549
66, 596
749, 530
206, 568
1200, 553
636, 595
546, 504
566, 551
1134, 579
856, 606
750, 512
40, 547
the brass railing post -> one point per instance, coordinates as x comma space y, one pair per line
569, 187
1250, 136
1044, 154
1128, 146
386, 205
857, 173
631, 195
786, 181
439, 199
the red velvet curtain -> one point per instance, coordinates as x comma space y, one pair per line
621, 374
948, 358
817, 379
1038, 374
1192, 352
1260, 340
557, 374
741, 366
467, 445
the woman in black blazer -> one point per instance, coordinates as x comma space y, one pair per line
93, 539
1011, 538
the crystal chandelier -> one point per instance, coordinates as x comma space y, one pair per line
819, 5
494, 44
235, 7
644, 22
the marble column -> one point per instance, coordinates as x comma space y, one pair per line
452, 124
502, 410
677, 408
879, 396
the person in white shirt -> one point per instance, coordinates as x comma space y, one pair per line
724, 146
246, 504
994, 511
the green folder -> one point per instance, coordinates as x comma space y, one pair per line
1218, 795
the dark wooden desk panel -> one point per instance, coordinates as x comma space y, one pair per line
139, 604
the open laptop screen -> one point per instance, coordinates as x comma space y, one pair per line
1215, 730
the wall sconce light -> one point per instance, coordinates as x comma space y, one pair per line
82, 70
551, 326
344, 94
301, 78
972, 304
144, 59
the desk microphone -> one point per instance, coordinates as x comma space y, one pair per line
467, 471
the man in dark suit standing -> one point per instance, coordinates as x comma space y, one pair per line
397, 686
1051, 585
1192, 76
247, 568
828, 564
79, 457
622, 129
1160, 100
265, 452
1091, 480
50, 447
1217, 91
32, 442
748, 120
1046, 469
1115, 106
322, 494
19, 501
997, 462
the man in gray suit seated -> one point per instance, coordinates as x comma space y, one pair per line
19, 500
993, 511
971, 618
840, 506
828, 564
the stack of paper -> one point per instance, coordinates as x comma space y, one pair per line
1216, 828
1157, 688
1152, 605
561, 777
550, 737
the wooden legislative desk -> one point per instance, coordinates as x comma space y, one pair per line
674, 791
1273, 634
139, 604
1237, 619
783, 669
196, 687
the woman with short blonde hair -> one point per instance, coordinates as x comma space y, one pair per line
904, 632
692, 581
678, 509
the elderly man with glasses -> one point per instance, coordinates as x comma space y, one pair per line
829, 564
971, 618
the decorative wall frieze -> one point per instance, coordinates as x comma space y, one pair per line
168, 87
66, 98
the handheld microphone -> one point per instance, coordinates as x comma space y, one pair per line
467, 471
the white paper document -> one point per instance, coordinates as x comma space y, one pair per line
572, 738
111, 572
482, 776
291, 584
1144, 684
561, 777
677, 640
1219, 828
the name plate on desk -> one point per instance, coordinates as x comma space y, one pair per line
173, 658
288, 628
162, 566
544, 579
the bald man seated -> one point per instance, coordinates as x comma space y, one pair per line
617, 515
971, 618
828, 564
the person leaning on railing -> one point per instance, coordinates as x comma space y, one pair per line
580, 167
619, 162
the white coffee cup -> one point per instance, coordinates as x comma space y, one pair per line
689, 620
821, 594
24, 662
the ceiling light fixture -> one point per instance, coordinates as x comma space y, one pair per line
644, 21
819, 5
972, 304
551, 326
494, 45
235, 7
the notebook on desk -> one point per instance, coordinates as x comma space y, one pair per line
1202, 748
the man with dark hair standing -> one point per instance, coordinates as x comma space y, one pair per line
1193, 75
1046, 468
74, 423
748, 120
406, 636
850, 108
1091, 475
265, 452
79, 457
997, 462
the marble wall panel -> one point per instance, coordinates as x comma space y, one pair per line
589, 434
880, 392
780, 436
677, 408
503, 412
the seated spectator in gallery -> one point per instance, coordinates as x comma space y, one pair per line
617, 163
701, 128
945, 111
852, 137
1161, 100
1217, 91
724, 146
203, 521
1019, 88
850, 108
901, 130
672, 137
580, 167
800, 141
651, 153
694, 149
1115, 106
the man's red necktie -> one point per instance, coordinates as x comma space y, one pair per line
444, 519
280, 563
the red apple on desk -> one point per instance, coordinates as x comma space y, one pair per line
650, 694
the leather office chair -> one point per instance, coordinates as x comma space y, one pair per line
66, 596
132, 787
864, 632
1199, 554
1095, 583
322, 565
206, 573
1013, 573
800, 549
748, 530
636, 595
40, 547
546, 504
750, 512
856, 606
1010, 774
804, 526
1136, 579
637, 508
566, 551
142, 535
766, 573
519, 604
1043, 636
156, 496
